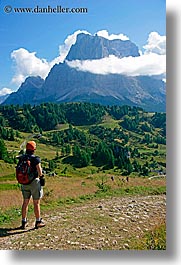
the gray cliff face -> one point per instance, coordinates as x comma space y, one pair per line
27, 92
89, 47
66, 84
3, 98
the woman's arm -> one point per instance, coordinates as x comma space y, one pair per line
39, 169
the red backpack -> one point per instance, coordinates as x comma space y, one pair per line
24, 171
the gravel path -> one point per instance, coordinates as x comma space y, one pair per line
109, 223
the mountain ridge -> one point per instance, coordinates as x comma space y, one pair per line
68, 84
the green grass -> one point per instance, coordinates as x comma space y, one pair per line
12, 215
100, 193
6, 169
8, 177
109, 122
151, 240
8, 215
8, 186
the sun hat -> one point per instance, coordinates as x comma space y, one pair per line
31, 146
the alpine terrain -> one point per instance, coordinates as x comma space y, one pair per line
66, 83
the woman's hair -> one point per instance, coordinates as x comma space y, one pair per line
29, 152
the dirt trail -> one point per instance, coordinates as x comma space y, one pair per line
109, 223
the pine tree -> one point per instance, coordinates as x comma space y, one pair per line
3, 150
51, 165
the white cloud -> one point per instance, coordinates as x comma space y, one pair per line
151, 62
155, 44
105, 34
147, 64
28, 64
5, 91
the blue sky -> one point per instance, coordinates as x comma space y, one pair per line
41, 35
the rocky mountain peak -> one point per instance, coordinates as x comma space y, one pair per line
33, 82
27, 91
67, 84
88, 47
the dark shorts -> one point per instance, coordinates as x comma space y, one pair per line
33, 189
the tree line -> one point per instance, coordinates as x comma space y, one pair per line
96, 145
47, 116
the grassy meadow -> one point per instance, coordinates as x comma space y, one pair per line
68, 183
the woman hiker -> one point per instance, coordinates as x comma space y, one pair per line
33, 189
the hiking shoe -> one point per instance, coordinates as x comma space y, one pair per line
23, 224
39, 224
